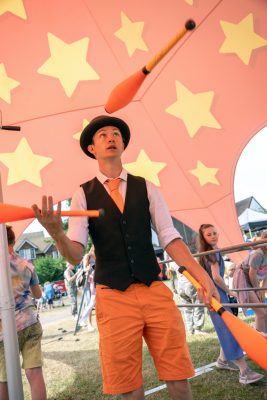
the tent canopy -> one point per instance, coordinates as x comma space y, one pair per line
252, 220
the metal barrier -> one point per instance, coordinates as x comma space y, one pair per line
230, 305
249, 289
229, 249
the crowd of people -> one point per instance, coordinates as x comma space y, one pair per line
51, 292
122, 278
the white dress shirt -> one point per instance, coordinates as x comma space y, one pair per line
160, 216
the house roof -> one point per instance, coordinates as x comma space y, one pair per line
36, 240
248, 203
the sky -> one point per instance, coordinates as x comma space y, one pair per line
250, 174
251, 170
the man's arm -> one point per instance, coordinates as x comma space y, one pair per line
72, 251
180, 253
36, 291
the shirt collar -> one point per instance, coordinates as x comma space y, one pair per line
103, 178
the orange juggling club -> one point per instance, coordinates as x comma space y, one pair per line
9, 213
124, 92
251, 341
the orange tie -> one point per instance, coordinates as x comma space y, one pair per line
113, 186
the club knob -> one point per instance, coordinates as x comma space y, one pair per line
190, 25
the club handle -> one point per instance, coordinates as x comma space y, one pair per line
10, 128
189, 25
83, 213
216, 305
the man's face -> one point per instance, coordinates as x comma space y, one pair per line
107, 143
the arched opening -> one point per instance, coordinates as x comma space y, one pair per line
250, 188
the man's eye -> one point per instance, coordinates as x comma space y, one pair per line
116, 133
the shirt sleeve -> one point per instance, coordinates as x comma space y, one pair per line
160, 216
78, 226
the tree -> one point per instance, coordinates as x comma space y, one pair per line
50, 269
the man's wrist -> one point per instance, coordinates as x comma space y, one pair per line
57, 235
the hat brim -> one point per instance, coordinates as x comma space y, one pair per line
97, 123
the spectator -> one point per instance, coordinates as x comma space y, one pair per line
171, 269
58, 294
252, 272
49, 294
70, 283
229, 273
89, 267
231, 355
42, 301
25, 285
194, 316
228, 279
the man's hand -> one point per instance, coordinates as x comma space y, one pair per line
179, 252
48, 218
208, 289
51, 221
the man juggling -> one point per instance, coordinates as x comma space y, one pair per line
131, 301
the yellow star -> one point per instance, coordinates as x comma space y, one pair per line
131, 34
146, 168
14, 6
241, 39
6, 85
77, 135
193, 109
204, 174
24, 165
68, 63
190, 2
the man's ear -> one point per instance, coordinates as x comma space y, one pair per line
90, 148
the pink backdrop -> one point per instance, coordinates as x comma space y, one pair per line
190, 120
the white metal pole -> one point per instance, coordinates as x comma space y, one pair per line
7, 306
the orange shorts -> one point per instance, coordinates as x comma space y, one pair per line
123, 319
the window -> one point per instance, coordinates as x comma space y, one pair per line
55, 254
28, 254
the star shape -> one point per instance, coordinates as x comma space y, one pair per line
77, 135
6, 85
204, 174
145, 167
193, 109
130, 34
241, 39
68, 63
24, 165
14, 6
190, 2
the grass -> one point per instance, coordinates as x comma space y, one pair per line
72, 370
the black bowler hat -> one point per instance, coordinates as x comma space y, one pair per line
99, 122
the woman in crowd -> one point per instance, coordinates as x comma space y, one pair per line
231, 355
70, 283
252, 272
89, 268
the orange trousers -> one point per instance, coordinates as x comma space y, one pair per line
124, 319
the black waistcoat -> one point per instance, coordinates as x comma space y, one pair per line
123, 246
